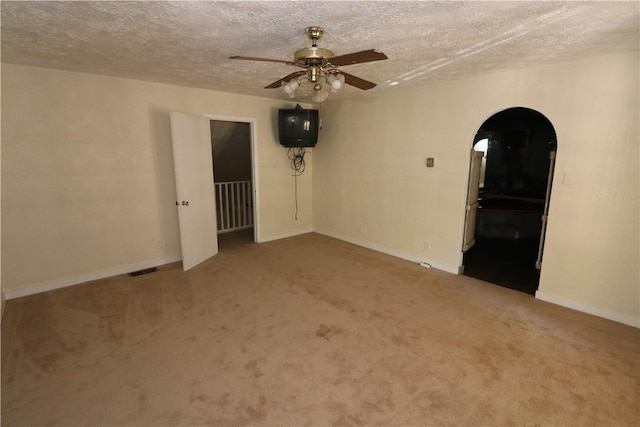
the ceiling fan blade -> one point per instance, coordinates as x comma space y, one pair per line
358, 57
253, 58
352, 80
291, 76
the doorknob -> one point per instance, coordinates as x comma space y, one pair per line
185, 203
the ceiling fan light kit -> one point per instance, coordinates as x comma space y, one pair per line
321, 68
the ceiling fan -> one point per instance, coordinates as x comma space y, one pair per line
320, 64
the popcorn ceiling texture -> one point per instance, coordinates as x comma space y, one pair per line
188, 43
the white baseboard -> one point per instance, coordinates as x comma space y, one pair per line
575, 305
82, 278
385, 250
285, 235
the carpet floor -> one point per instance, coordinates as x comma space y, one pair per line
312, 331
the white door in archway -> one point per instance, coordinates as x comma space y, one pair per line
472, 200
193, 166
545, 213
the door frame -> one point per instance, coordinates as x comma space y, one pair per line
550, 184
253, 124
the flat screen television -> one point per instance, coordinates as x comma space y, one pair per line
298, 127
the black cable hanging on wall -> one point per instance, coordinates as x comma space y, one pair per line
296, 156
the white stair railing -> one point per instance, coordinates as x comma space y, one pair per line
234, 205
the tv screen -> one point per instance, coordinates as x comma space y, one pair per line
298, 127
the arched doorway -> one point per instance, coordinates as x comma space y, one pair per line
515, 153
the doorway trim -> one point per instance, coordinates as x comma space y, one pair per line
252, 121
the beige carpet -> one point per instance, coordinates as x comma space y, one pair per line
310, 331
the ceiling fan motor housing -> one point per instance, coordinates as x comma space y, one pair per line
312, 55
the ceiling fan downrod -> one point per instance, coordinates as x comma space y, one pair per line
314, 33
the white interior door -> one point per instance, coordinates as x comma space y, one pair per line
472, 200
545, 213
195, 189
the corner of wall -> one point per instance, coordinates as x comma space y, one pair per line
264, 239
4, 300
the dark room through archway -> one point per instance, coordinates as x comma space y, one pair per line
518, 148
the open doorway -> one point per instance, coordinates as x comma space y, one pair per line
517, 149
231, 151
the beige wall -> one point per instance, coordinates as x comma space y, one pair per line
88, 186
371, 185
87, 174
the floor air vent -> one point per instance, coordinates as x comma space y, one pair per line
141, 272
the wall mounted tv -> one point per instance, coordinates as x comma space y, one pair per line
298, 127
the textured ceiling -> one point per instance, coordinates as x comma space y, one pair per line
189, 43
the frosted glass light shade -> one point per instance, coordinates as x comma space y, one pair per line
320, 96
335, 81
290, 87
